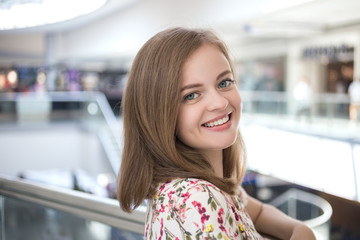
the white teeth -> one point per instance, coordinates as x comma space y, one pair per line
218, 122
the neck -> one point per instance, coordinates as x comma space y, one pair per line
216, 160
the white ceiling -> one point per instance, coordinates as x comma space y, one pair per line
238, 21
312, 15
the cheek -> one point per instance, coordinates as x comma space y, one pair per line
236, 100
187, 121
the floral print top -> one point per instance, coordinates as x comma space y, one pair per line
189, 208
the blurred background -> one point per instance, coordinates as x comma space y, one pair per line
63, 68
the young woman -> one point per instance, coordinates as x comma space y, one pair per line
183, 150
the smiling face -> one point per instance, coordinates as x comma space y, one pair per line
210, 106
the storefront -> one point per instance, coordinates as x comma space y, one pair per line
328, 63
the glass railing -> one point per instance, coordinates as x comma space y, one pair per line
37, 211
323, 163
80, 126
316, 138
60, 155
324, 113
327, 105
292, 143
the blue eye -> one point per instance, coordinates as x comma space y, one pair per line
225, 83
190, 96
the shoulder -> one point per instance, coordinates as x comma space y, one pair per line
187, 184
188, 197
185, 207
182, 189
195, 208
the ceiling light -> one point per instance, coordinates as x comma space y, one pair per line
17, 14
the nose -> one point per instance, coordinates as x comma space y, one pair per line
216, 101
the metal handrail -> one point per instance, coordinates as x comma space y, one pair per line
81, 204
113, 125
308, 198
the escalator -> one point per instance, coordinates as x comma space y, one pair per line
57, 151
37, 211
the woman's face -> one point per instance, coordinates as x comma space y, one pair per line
210, 106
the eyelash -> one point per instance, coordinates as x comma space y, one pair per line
228, 81
187, 95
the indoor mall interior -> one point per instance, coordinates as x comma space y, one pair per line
63, 70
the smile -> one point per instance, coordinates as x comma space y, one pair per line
218, 122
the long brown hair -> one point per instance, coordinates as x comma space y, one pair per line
152, 153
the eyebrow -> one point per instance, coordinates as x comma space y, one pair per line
195, 85
224, 73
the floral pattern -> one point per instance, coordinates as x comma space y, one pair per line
189, 208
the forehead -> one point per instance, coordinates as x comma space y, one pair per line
206, 62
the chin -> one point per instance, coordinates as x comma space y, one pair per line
223, 144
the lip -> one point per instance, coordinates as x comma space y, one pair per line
219, 127
217, 118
